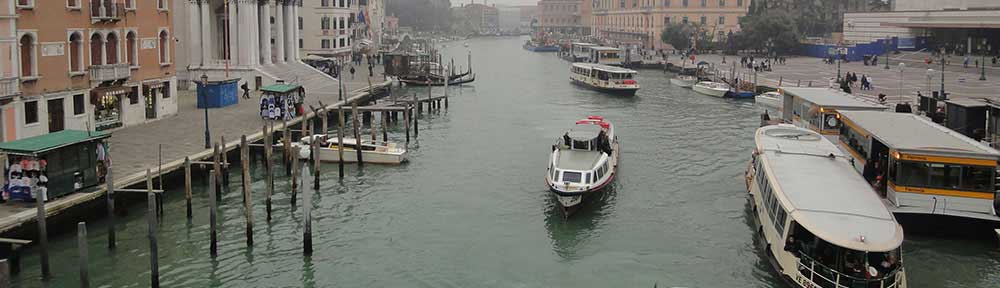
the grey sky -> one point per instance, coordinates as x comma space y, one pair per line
502, 2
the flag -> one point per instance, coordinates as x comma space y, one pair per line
361, 16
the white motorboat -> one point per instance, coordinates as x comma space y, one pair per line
819, 223
583, 161
715, 89
371, 152
685, 81
770, 100
605, 78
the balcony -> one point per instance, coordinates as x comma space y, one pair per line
9, 87
110, 72
106, 11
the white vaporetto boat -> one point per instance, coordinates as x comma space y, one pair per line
685, 81
820, 223
769, 100
378, 153
605, 78
716, 89
584, 161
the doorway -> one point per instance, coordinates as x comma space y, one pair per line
151, 103
56, 113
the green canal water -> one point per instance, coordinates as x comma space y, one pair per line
471, 208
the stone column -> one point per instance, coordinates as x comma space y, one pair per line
265, 33
254, 33
296, 30
289, 33
233, 35
194, 34
243, 11
279, 28
207, 25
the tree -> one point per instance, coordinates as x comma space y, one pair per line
677, 35
778, 29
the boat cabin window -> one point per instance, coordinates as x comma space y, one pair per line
588, 179
943, 176
775, 212
854, 140
602, 75
621, 76
581, 145
828, 264
573, 177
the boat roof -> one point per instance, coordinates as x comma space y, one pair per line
825, 194
905, 131
579, 160
583, 44
584, 132
968, 103
826, 97
602, 67
605, 48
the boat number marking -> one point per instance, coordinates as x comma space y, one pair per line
805, 282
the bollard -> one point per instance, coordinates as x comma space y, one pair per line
357, 133
269, 173
247, 196
446, 102
187, 186
307, 217
294, 180
81, 242
154, 265
43, 235
111, 208
340, 141
213, 246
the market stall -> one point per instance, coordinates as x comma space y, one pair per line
281, 101
54, 164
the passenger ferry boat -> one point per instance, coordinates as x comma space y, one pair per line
820, 224
816, 108
371, 152
584, 161
928, 174
604, 78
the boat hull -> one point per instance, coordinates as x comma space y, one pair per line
682, 83
541, 48
710, 91
616, 91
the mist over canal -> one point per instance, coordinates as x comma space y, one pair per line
471, 208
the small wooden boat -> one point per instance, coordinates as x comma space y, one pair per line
438, 82
715, 89
685, 81
371, 152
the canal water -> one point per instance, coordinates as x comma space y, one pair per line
471, 208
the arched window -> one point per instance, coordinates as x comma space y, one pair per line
130, 49
112, 48
96, 49
75, 52
27, 55
164, 45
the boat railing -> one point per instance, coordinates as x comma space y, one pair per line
827, 277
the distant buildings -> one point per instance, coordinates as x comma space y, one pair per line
329, 28
959, 26
640, 22
529, 17
476, 18
509, 19
563, 16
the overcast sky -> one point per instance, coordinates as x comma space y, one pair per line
502, 2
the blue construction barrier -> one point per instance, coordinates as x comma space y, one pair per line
857, 52
218, 94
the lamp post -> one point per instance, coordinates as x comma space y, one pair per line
930, 75
901, 66
982, 63
838, 64
208, 135
886, 53
943, 96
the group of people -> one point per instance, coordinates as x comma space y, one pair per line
760, 66
871, 61
865, 81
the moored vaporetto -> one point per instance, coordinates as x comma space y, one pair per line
820, 223
605, 78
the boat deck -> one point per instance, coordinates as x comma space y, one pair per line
577, 159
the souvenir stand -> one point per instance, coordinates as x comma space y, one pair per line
54, 164
282, 101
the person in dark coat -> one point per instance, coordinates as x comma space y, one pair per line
246, 90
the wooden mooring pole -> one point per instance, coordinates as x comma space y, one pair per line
213, 237
406, 122
43, 235
340, 141
109, 179
286, 145
269, 190
159, 176
357, 132
247, 196
154, 265
225, 165
81, 244
307, 215
187, 186
4, 273
314, 151
385, 126
294, 178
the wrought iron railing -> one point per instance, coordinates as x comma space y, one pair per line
826, 277
106, 10
9, 87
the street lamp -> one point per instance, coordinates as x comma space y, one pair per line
203, 93
930, 75
982, 75
943, 96
838, 64
901, 66
886, 52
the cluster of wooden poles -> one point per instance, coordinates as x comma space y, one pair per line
219, 179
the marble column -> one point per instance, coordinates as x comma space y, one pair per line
207, 25
289, 33
254, 34
194, 34
233, 35
265, 33
279, 28
296, 31
243, 11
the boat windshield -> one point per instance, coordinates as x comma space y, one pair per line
832, 266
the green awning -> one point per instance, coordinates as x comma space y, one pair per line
43, 143
280, 88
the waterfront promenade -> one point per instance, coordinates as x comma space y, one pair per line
134, 149
960, 82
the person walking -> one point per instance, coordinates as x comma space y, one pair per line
965, 62
352, 72
246, 90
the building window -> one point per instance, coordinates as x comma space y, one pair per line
133, 97
722, 20
739, 3
30, 112
704, 3
325, 44
684, 20
165, 90
75, 52
685, 3
666, 3
112, 48
28, 55
324, 3
73, 4
324, 23
722, 3
704, 20
78, 103
129, 4
300, 23
666, 21
164, 47
342, 43
341, 3
25, 3
161, 4
96, 49
131, 49
300, 43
